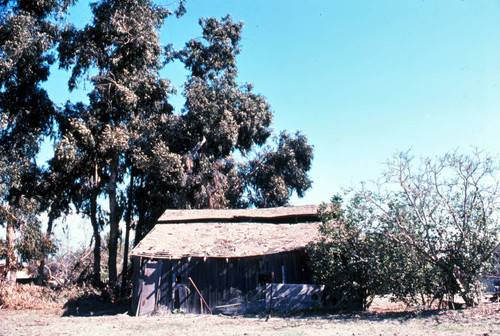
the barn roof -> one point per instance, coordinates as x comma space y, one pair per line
249, 215
224, 240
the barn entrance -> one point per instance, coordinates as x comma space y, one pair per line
180, 294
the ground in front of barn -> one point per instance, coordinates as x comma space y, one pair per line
483, 320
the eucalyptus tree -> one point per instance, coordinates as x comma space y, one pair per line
75, 172
122, 44
177, 160
28, 33
227, 128
217, 152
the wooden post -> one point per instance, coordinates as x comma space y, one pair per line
201, 296
271, 301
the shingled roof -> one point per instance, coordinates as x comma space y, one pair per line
296, 213
224, 240
230, 233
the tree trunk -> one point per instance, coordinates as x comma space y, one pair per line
139, 228
128, 221
41, 268
113, 221
466, 295
97, 238
11, 259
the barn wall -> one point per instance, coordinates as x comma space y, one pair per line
136, 284
146, 283
220, 279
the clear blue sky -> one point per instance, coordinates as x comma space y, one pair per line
362, 79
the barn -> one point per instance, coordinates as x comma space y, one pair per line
201, 261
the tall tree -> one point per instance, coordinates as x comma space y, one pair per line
75, 174
219, 118
28, 33
215, 153
223, 120
176, 160
122, 44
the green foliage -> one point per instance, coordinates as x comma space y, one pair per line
122, 43
33, 243
427, 236
28, 33
222, 119
215, 153
444, 213
275, 174
350, 257
30, 243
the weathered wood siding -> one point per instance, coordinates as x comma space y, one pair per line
146, 283
218, 279
293, 297
136, 284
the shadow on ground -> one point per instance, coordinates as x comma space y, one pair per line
94, 305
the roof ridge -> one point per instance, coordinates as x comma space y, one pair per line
176, 215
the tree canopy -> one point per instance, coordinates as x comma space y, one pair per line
128, 145
28, 33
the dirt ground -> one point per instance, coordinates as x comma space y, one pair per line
484, 320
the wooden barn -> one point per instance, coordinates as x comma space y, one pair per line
201, 261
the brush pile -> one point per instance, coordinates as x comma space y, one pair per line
30, 296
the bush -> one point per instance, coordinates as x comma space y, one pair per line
348, 259
426, 237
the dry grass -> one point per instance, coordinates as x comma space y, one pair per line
483, 320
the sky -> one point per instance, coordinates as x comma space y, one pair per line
361, 79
